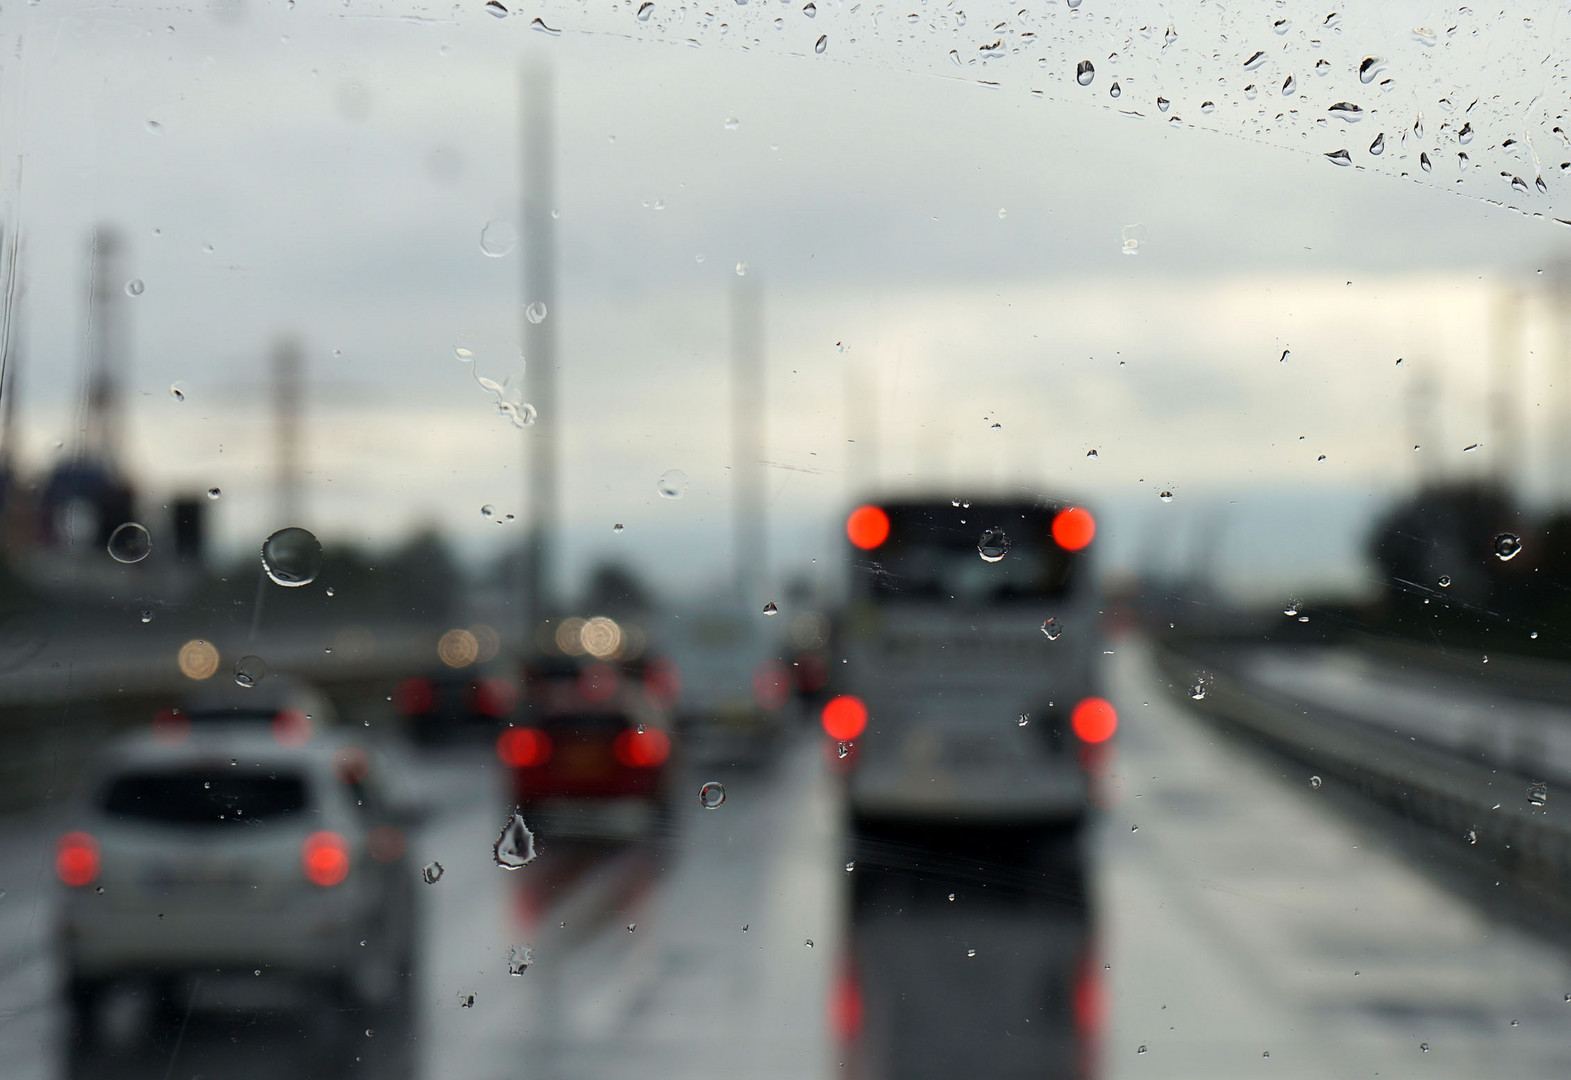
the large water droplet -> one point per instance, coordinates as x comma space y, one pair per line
1369, 70
1115, 90
1538, 793
1507, 546
540, 25
741, 269
646, 9
214, 493
466, 999
535, 312
250, 670
1424, 162
821, 44
1445, 581
134, 287
292, 557
1166, 496
1162, 104
1198, 690
1340, 157
1053, 629
130, 543
771, 608
993, 545
431, 872
810, 9
1347, 111
1315, 782
1281, 26
519, 957
711, 795
497, 8
1379, 145
672, 483
515, 846
1255, 60
176, 391
1084, 73
498, 237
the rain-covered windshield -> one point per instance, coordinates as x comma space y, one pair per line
813, 538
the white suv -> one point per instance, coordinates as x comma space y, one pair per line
232, 863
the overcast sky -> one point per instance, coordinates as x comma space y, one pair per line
327, 172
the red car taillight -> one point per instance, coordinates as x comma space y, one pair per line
414, 697
523, 748
76, 859
844, 717
642, 749
325, 858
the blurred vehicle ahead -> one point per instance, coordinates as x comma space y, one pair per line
592, 755
969, 691
231, 866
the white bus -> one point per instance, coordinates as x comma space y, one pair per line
969, 691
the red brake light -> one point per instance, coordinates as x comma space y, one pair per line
414, 697
522, 747
325, 858
642, 749
76, 859
494, 697
846, 1010
1073, 528
1094, 720
867, 527
844, 717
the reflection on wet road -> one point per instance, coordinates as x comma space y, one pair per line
1221, 910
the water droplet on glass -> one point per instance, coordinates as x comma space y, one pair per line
1052, 628
631, 927
1084, 73
771, 608
1255, 60
1538, 793
495, 7
993, 545
741, 269
1471, 836
519, 957
1025, 718
1163, 104
147, 615
1507, 546
851, 865
1425, 163
1198, 690
1281, 26
1291, 607
515, 846
498, 238
671, 484
250, 670
1289, 86
617, 528
1370, 69
1379, 145
1425, 36
1445, 581
176, 392
540, 25
1208, 107
1141, 1049
1115, 90
1339, 157
732, 123
463, 354
842, 749
808, 943
1315, 782
535, 312
134, 287
821, 44
466, 999
646, 9
711, 795
431, 872
292, 557
1166, 496
810, 10
1347, 111
130, 543
487, 511
1424, 1047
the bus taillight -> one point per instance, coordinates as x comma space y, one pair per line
1094, 720
844, 717
867, 527
1073, 528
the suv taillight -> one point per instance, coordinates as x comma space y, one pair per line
325, 858
76, 859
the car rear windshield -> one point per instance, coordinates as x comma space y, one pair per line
203, 797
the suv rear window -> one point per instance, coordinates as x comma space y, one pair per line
203, 797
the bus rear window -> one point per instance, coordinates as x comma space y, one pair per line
986, 554
203, 797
